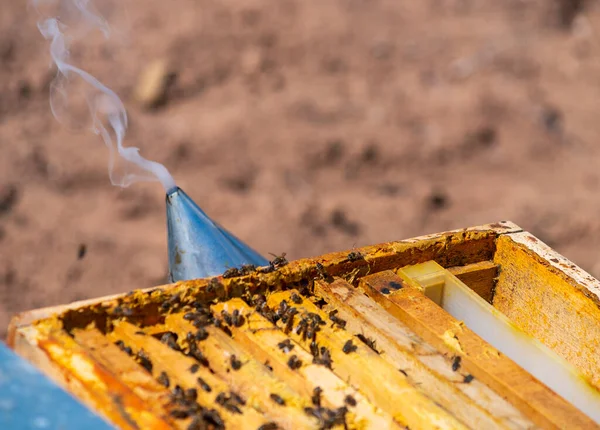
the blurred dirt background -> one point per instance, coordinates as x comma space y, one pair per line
303, 127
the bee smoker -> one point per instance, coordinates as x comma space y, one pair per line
199, 247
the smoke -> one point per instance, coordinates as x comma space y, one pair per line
62, 22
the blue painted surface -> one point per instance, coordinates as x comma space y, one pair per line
198, 247
31, 401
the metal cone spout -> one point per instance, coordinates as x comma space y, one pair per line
198, 247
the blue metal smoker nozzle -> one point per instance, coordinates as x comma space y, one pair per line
199, 247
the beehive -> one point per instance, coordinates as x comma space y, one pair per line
339, 341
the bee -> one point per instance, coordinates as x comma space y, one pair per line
81, 251
237, 319
170, 339
205, 419
301, 328
349, 347
258, 299
267, 269
191, 394
197, 423
316, 396
213, 285
225, 401
197, 354
279, 260
172, 302
163, 379
316, 319
456, 363
315, 412
202, 321
123, 347
355, 256
335, 320
277, 399
194, 368
144, 360
349, 400
210, 416
322, 272
201, 334
247, 269
323, 358
338, 417
177, 393
237, 398
190, 316
395, 285
231, 273
268, 313
202, 383
122, 311
197, 305
296, 299
221, 398
285, 345
306, 286
283, 307
235, 363
314, 348
179, 414
268, 366
468, 378
294, 362
227, 317
289, 324
368, 341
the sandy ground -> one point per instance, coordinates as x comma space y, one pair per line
303, 127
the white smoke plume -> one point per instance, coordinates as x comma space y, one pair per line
62, 22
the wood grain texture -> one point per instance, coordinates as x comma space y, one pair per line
258, 335
383, 387
550, 299
474, 403
96, 385
177, 366
253, 378
130, 373
444, 332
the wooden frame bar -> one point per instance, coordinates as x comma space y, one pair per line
447, 334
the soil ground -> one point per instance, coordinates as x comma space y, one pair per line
303, 127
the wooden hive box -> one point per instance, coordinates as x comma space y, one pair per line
344, 340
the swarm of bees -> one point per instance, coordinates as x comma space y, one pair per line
292, 319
